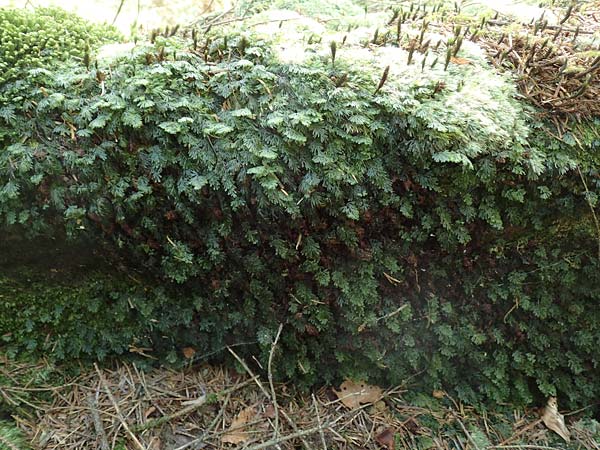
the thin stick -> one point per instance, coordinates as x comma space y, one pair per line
462, 425
520, 432
205, 10
298, 434
536, 447
264, 390
100, 433
117, 409
118, 11
319, 422
255, 378
596, 222
210, 427
188, 409
270, 375
548, 27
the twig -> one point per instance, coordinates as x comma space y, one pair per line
241, 19
319, 422
215, 20
272, 386
118, 11
188, 409
117, 409
100, 433
536, 447
264, 390
548, 27
594, 216
462, 425
520, 432
210, 427
577, 411
295, 435
205, 10
254, 378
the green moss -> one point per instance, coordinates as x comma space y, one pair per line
45, 37
430, 226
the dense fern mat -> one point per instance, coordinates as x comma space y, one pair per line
403, 215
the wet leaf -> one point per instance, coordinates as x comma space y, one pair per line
353, 394
386, 439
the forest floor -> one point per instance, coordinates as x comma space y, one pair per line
207, 407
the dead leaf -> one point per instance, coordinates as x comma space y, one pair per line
555, 420
237, 433
311, 330
270, 411
188, 352
412, 425
155, 444
460, 61
386, 439
149, 411
352, 394
438, 394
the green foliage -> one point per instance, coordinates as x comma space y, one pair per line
95, 316
11, 438
430, 228
45, 36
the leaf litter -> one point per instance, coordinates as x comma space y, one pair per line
207, 407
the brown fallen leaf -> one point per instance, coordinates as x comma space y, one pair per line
237, 433
555, 420
269, 412
352, 394
188, 352
438, 394
149, 411
155, 444
386, 439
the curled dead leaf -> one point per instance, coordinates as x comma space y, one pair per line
386, 439
237, 434
438, 394
149, 412
412, 425
555, 420
188, 352
353, 394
